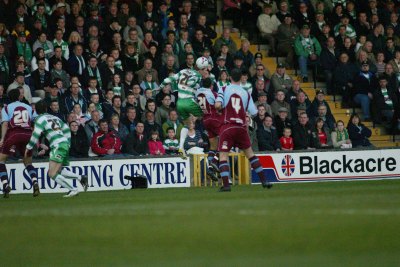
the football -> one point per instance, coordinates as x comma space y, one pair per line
202, 63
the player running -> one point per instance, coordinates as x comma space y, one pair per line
15, 133
59, 135
235, 102
187, 81
212, 121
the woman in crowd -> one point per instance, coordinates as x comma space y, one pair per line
358, 132
340, 137
323, 134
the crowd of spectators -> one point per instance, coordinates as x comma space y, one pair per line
98, 65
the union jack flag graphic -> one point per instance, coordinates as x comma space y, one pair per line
288, 166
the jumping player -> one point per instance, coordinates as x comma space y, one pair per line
235, 102
16, 130
59, 135
212, 121
187, 81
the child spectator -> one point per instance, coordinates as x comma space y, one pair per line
286, 140
155, 145
171, 144
117, 86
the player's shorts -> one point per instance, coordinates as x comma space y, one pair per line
16, 140
188, 106
231, 135
60, 154
212, 125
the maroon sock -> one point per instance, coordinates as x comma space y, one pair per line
224, 171
256, 166
3, 174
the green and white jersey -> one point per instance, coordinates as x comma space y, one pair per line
247, 86
64, 48
54, 129
187, 81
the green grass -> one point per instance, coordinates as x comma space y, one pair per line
309, 224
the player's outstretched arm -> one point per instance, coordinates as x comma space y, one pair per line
169, 80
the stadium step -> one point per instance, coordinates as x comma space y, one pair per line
383, 144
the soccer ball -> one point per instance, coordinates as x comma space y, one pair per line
202, 63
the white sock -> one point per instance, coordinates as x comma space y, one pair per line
63, 182
184, 134
70, 175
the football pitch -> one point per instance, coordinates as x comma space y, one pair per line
308, 224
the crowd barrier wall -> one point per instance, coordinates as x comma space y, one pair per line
174, 172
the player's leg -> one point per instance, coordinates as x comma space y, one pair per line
4, 175
224, 145
63, 149
54, 173
32, 173
212, 153
256, 166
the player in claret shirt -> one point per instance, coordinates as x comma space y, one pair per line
235, 102
16, 130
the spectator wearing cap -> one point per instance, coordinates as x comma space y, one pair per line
364, 85
280, 80
319, 99
268, 24
219, 67
283, 10
257, 61
20, 82
308, 50
22, 47
262, 99
328, 60
226, 39
267, 136
281, 121
286, 36
250, 11
260, 75
245, 53
279, 103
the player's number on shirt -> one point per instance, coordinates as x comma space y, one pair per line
235, 101
21, 117
184, 80
55, 126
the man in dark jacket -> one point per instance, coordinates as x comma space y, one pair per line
328, 61
136, 142
267, 136
343, 78
303, 134
364, 86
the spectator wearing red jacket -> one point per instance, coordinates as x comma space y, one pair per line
155, 145
105, 142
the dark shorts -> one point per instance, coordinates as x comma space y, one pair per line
232, 135
16, 140
212, 126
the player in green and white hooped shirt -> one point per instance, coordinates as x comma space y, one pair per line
58, 135
187, 81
